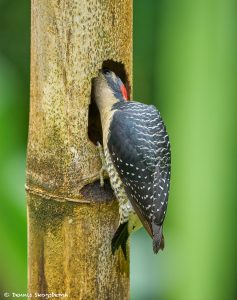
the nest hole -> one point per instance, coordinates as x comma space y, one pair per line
94, 121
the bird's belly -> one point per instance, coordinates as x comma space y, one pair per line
125, 207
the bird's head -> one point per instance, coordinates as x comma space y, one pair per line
108, 89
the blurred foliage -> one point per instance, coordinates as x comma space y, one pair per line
189, 49
185, 64
14, 101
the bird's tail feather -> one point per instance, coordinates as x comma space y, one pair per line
120, 238
158, 238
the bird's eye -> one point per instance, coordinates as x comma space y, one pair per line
106, 71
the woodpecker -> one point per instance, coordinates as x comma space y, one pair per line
137, 157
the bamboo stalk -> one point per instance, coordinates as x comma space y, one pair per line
71, 219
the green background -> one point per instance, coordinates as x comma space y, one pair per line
185, 56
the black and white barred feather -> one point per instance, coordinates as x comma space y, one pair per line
140, 151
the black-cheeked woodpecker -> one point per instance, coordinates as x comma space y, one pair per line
137, 158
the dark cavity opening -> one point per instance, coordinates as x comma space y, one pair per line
94, 122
